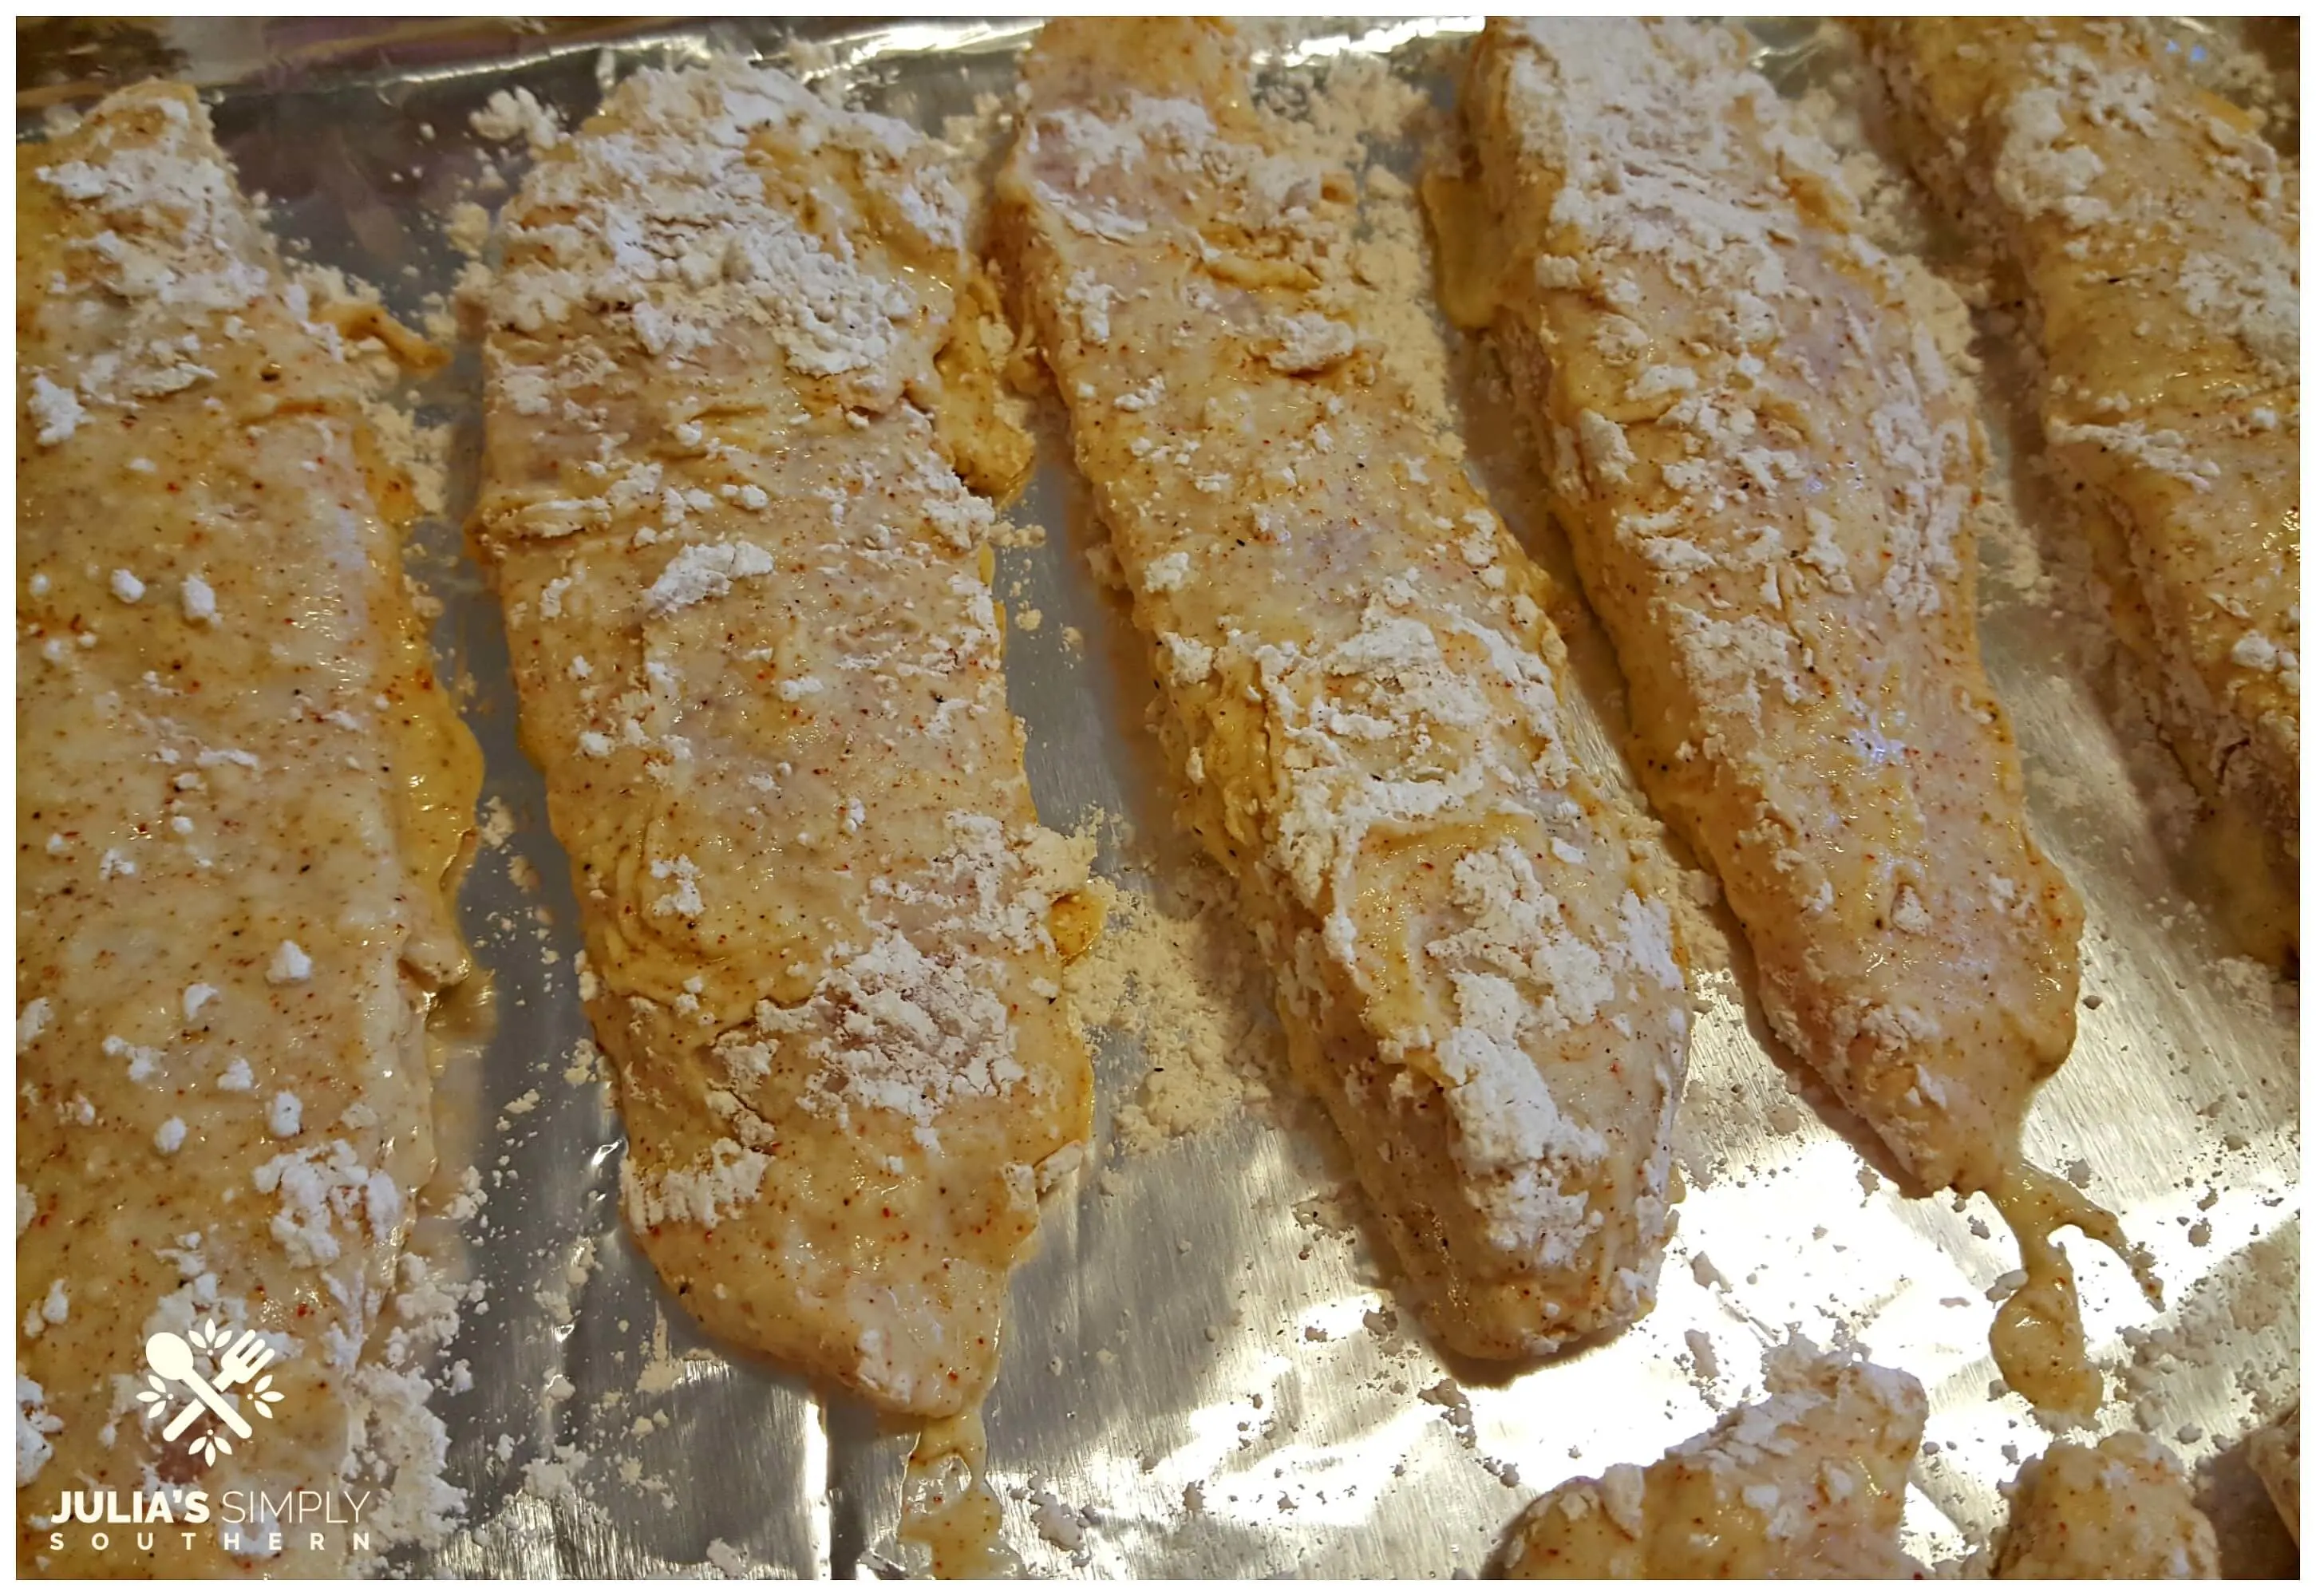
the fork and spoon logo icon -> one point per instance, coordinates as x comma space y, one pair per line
171, 1360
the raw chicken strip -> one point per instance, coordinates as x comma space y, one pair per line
748, 602
1473, 957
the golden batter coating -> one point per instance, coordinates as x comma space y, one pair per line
1766, 470
2121, 1510
1806, 1484
242, 799
1474, 962
2274, 1453
747, 598
2157, 237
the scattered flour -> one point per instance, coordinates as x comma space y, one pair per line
1188, 988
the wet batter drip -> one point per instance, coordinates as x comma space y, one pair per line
2038, 1331
949, 1514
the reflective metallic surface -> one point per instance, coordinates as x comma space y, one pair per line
1203, 1364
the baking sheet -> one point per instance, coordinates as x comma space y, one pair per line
1203, 1375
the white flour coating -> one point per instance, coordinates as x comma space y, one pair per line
516, 113
703, 571
894, 1029
710, 245
34, 1425
1653, 174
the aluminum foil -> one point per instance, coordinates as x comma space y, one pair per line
1204, 1375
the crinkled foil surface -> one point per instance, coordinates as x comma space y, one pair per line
1202, 1363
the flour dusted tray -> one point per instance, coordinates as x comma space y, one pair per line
1206, 1373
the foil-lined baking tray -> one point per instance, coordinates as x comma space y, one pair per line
1204, 1375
